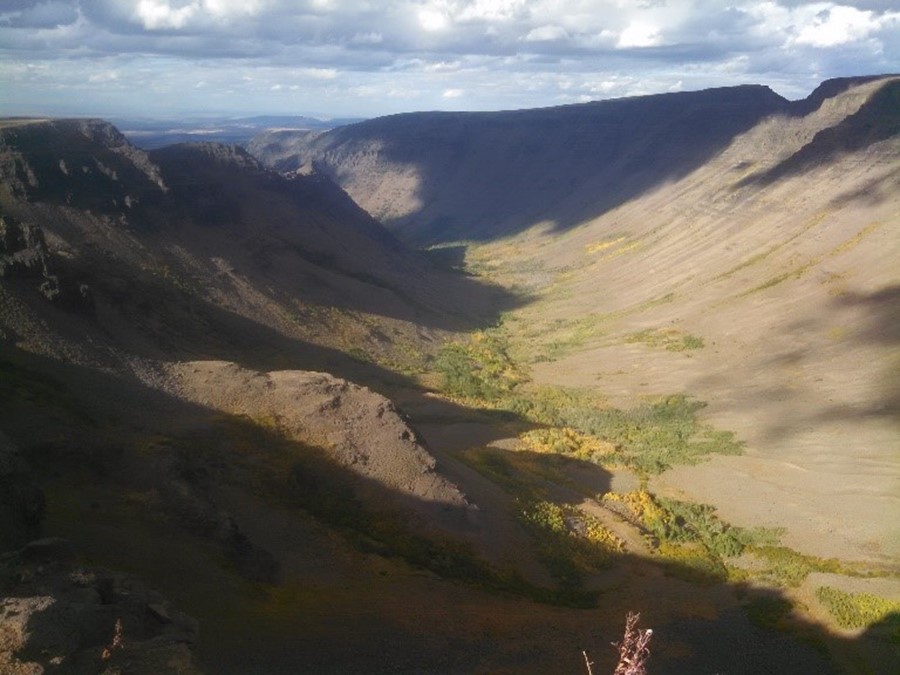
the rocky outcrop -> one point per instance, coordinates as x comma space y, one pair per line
24, 254
82, 163
59, 617
359, 429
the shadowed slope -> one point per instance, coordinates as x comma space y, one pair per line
877, 120
198, 251
446, 176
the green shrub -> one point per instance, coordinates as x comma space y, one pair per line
649, 438
479, 369
656, 435
699, 522
669, 339
789, 568
858, 610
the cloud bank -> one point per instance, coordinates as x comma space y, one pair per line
369, 57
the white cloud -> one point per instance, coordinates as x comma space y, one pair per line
169, 14
155, 14
433, 20
492, 10
820, 24
639, 34
546, 34
838, 25
417, 53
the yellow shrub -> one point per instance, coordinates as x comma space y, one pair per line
567, 441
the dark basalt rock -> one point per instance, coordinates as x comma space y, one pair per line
24, 254
59, 617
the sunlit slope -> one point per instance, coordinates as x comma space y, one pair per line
766, 282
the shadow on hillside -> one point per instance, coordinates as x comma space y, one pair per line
877, 120
484, 175
881, 326
198, 330
481, 176
863, 327
462, 616
222, 225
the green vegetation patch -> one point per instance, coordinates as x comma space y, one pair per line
689, 534
689, 522
670, 339
860, 610
570, 543
650, 437
479, 369
787, 567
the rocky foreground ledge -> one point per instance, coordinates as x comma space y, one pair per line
57, 616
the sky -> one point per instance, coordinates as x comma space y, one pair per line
365, 58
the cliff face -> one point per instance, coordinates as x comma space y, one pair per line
445, 176
458, 176
84, 164
200, 244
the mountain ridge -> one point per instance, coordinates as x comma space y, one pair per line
436, 177
430, 165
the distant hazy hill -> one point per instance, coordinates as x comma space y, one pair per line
149, 133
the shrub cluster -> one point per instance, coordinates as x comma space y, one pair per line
858, 610
650, 438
